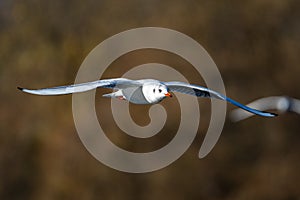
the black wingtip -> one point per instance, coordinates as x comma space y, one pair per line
20, 88
273, 114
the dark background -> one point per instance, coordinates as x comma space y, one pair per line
256, 46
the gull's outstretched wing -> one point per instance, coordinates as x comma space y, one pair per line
83, 87
205, 92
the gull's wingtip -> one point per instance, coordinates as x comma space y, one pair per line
269, 114
274, 114
251, 110
20, 88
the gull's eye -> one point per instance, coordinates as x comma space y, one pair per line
159, 90
154, 90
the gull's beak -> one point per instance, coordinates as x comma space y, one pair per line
168, 94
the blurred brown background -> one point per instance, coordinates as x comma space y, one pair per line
255, 44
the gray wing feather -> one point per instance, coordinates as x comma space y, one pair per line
195, 90
82, 87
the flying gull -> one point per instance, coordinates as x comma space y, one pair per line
144, 91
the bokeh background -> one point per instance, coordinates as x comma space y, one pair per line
255, 44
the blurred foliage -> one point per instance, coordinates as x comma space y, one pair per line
256, 45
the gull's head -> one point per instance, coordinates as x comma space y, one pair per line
155, 92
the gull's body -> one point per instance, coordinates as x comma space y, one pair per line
282, 104
144, 91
